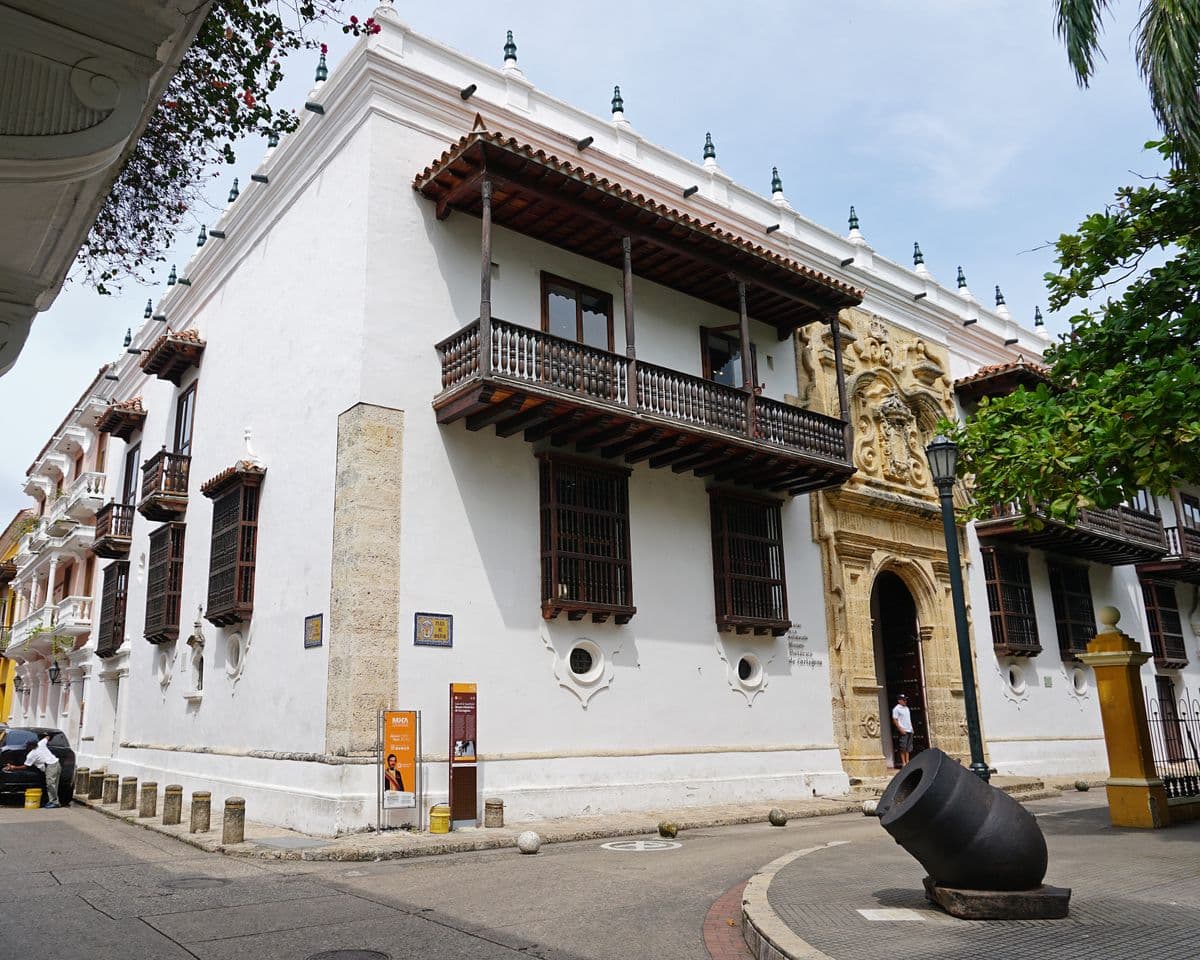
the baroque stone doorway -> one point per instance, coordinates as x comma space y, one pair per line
898, 660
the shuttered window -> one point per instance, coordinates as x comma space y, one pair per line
586, 565
1166, 628
1010, 601
748, 577
233, 552
1073, 614
164, 582
111, 633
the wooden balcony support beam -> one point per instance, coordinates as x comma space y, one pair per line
677, 454
663, 446
494, 412
549, 426
526, 418
606, 434
644, 438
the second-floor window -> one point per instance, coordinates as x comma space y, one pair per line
1010, 602
748, 577
111, 632
164, 583
575, 312
1166, 628
131, 476
1073, 614
1190, 507
721, 354
233, 552
185, 414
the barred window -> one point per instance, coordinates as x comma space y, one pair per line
111, 633
748, 577
1166, 628
586, 564
1010, 600
234, 548
1073, 613
164, 582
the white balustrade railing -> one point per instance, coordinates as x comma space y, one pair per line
73, 613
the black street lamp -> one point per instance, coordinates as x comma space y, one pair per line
943, 462
55, 672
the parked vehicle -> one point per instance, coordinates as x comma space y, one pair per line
15, 744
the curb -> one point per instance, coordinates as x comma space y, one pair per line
767, 936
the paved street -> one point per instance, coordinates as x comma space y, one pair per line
76, 885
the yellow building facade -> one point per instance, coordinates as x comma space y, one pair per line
9, 541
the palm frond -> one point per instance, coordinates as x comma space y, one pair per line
1168, 54
1078, 24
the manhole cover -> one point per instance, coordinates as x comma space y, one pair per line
350, 955
640, 846
195, 883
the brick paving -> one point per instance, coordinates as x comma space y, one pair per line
723, 927
1136, 894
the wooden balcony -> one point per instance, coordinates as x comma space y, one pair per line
122, 419
1182, 559
173, 354
1116, 536
114, 530
165, 486
546, 386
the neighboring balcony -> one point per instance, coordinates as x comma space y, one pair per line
165, 486
73, 616
114, 530
1182, 559
84, 497
27, 632
1116, 536
545, 385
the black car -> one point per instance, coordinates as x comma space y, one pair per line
15, 744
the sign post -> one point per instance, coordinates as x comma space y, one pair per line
463, 757
399, 747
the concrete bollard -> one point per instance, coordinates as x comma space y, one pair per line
95, 784
109, 791
493, 813
172, 805
233, 829
148, 802
81, 781
128, 793
201, 811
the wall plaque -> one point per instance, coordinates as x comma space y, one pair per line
433, 629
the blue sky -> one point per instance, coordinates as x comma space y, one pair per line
957, 124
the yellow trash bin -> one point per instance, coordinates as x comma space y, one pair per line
33, 798
439, 819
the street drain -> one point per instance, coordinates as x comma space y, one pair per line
195, 883
349, 955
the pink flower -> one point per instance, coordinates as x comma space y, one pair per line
324, 48
355, 20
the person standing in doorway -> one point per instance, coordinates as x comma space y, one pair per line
41, 758
902, 722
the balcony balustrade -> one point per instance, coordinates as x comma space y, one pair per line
73, 616
1182, 559
165, 486
1118, 535
114, 530
549, 386
84, 497
28, 631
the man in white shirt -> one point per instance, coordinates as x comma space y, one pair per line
902, 721
41, 758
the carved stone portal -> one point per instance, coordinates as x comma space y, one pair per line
884, 519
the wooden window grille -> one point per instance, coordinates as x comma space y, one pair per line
1010, 600
586, 565
748, 575
1166, 627
234, 548
164, 582
1074, 616
111, 633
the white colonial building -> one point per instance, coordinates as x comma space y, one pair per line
653, 441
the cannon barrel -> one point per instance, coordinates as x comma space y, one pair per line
965, 832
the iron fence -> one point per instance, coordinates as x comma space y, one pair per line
1175, 737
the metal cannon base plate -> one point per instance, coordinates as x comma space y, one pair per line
1040, 903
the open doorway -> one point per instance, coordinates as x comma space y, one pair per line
898, 660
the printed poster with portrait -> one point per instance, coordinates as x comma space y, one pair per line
399, 759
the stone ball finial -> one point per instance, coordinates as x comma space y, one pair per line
1109, 617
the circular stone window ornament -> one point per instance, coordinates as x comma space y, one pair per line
750, 671
1015, 679
640, 846
162, 667
1079, 682
235, 654
586, 662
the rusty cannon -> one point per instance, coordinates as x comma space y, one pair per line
984, 852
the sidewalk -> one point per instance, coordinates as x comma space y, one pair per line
1135, 894
278, 843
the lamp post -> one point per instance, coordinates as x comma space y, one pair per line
943, 462
55, 672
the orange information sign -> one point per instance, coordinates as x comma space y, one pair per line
399, 788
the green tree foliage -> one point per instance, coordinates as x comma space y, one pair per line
1168, 57
1123, 412
221, 94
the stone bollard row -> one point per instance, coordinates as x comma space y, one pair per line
148, 802
81, 781
95, 784
128, 793
201, 811
172, 805
108, 793
233, 827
